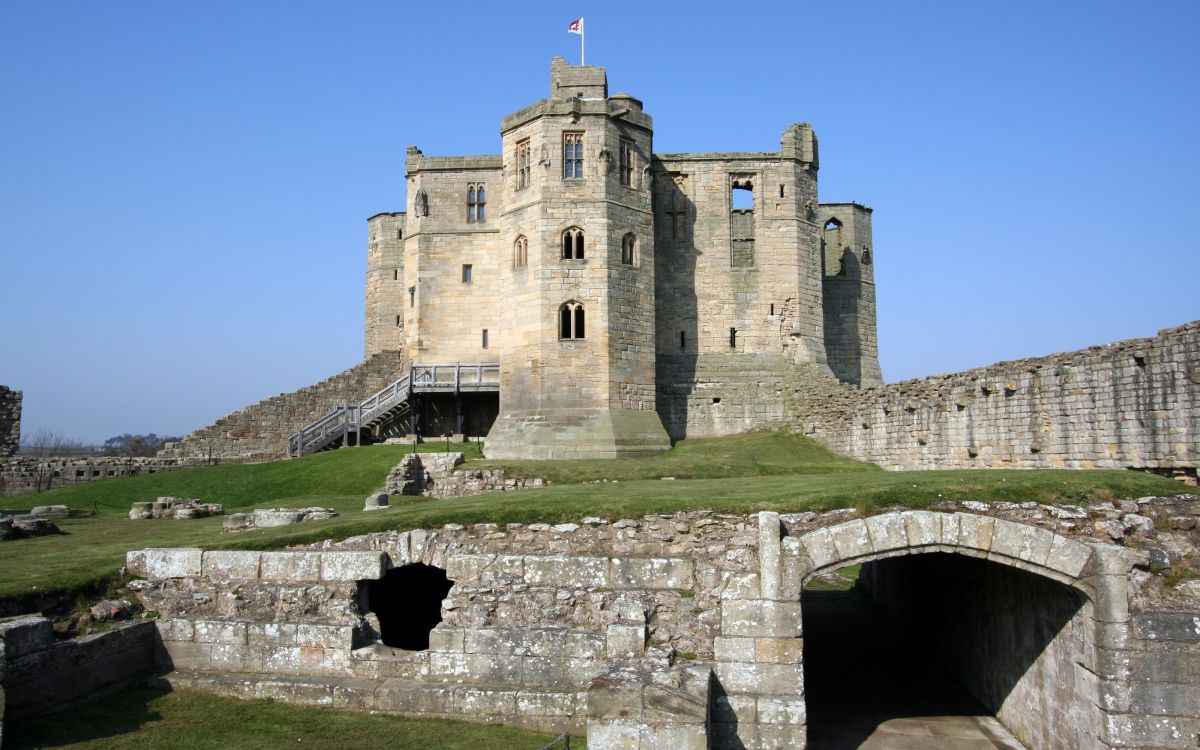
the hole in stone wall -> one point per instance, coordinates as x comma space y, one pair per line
973, 453
408, 603
960, 407
985, 390
717, 400
1009, 392
1139, 361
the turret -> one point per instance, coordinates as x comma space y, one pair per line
848, 271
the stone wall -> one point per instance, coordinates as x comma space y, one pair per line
10, 421
1129, 404
260, 431
24, 474
41, 675
616, 625
704, 395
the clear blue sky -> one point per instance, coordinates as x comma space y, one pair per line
184, 186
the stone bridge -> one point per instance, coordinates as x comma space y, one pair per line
688, 630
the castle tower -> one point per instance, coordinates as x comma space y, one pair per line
385, 282
848, 279
576, 281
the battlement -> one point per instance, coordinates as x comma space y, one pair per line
577, 81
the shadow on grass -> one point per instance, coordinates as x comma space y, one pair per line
120, 714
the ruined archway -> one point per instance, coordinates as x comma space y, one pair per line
1094, 575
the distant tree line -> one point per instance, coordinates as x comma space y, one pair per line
136, 445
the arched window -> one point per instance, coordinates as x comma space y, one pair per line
571, 321
866, 256
572, 244
476, 198
629, 249
521, 252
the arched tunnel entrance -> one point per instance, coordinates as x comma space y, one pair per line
944, 651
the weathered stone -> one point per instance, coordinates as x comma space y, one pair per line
165, 563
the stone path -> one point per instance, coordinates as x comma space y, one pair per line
866, 691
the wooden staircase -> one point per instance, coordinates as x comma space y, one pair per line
392, 402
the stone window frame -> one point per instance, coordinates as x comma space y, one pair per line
468, 273
521, 252
627, 161
571, 321
524, 171
572, 149
572, 245
629, 243
476, 202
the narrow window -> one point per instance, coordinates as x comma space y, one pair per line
772, 309
627, 156
399, 234
476, 197
571, 324
467, 273
683, 339
781, 191
741, 222
573, 155
628, 249
397, 321
572, 245
732, 338
564, 322
522, 164
395, 274
485, 339
412, 296
866, 256
521, 252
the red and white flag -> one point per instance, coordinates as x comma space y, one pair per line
575, 27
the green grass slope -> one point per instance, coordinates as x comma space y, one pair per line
142, 719
739, 474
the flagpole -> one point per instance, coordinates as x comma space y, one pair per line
582, 36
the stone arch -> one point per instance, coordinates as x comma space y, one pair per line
1017, 545
1096, 575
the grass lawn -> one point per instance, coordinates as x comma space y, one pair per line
140, 719
763, 471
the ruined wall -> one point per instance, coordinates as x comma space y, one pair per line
848, 286
24, 474
40, 675
260, 431
557, 626
1129, 404
10, 421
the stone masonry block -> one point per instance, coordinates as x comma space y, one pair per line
447, 639
25, 634
1167, 626
769, 553
1068, 556
290, 566
888, 532
734, 649
584, 645
820, 548
175, 630
625, 641
851, 539
165, 563
652, 573
567, 571
326, 636
782, 711
241, 564
779, 650
974, 532
219, 631
923, 528
761, 679
463, 568
760, 617
352, 566
1021, 541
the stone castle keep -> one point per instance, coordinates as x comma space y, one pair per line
602, 276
